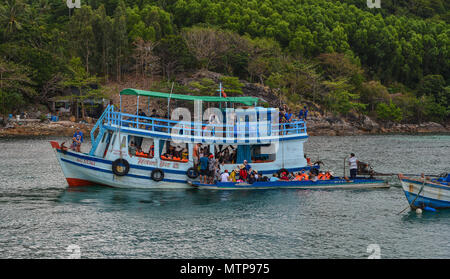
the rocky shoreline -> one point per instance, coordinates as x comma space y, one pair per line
365, 126
38, 129
317, 126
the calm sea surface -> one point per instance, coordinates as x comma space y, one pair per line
40, 217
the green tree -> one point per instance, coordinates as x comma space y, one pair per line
389, 112
80, 79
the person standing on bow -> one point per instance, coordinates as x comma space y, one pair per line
77, 140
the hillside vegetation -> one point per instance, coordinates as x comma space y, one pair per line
391, 63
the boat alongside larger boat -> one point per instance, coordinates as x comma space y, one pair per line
335, 183
426, 193
252, 132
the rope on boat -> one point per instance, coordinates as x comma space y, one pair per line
420, 191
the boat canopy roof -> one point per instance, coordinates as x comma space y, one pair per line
249, 101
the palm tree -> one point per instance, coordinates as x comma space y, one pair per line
11, 14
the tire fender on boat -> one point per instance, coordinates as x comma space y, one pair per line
192, 173
157, 175
120, 167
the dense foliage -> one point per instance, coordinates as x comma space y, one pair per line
393, 62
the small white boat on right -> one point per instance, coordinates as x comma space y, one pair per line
427, 193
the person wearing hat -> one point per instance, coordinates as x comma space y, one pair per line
243, 173
233, 174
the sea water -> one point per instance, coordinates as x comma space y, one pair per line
40, 217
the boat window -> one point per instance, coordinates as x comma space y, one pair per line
114, 140
104, 137
141, 147
226, 153
176, 152
263, 153
123, 143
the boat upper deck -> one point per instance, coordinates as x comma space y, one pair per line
244, 131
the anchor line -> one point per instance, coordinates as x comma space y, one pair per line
418, 194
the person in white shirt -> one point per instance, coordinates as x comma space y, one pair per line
353, 163
225, 177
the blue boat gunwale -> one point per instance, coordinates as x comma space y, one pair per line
336, 181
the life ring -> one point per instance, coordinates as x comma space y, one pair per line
157, 175
281, 171
192, 173
120, 167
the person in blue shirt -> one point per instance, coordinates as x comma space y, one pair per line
305, 112
247, 166
301, 114
274, 177
77, 140
204, 168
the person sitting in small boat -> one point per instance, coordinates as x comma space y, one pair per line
132, 149
251, 178
225, 176
274, 178
255, 173
321, 176
233, 174
313, 178
284, 176
248, 167
329, 175
302, 176
243, 173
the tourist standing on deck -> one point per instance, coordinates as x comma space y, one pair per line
204, 169
197, 154
353, 163
211, 168
305, 112
77, 140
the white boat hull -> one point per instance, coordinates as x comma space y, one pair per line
433, 195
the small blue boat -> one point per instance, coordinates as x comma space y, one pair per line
335, 183
424, 193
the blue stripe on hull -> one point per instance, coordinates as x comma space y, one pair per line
422, 201
132, 166
110, 171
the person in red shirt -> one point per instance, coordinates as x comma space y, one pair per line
284, 176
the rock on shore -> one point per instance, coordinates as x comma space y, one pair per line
60, 128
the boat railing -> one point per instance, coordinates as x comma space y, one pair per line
95, 140
220, 130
